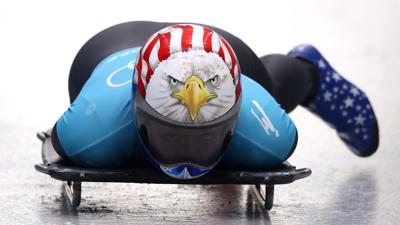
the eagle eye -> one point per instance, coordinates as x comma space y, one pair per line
173, 81
214, 80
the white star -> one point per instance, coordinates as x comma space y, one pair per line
184, 174
333, 107
344, 86
336, 76
327, 79
359, 119
344, 113
321, 64
335, 89
327, 96
348, 102
349, 121
365, 137
368, 106
323, 86
357, 130
354, 91
358, 107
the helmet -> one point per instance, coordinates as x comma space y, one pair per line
187, 99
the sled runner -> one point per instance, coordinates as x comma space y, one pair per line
73, 176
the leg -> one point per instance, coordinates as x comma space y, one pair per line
305, 77
294, 81
340, 103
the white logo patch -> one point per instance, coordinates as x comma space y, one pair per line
110, 83
264, 120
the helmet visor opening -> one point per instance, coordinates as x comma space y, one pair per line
170, 142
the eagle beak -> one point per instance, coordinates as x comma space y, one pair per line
194, 95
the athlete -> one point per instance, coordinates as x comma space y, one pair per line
188, 97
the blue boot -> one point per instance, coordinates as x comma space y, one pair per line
341, 104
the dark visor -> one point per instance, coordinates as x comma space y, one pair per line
171, 142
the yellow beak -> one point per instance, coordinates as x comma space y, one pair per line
194, 95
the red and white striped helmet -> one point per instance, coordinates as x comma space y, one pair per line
182, 38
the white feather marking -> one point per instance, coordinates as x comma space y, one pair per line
182, 65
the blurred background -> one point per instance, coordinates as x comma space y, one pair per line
39, 40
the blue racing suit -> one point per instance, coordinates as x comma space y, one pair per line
99, 128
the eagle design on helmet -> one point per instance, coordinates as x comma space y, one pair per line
188, 73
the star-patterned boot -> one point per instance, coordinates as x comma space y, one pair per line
341, 104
